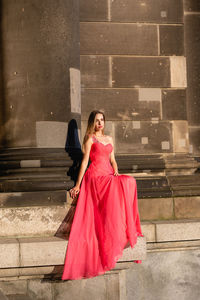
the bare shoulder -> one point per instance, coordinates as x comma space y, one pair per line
89, 139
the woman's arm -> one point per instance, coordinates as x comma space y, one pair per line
112, 159
75, 190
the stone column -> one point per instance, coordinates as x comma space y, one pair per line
40, 107
40, 55
192, 46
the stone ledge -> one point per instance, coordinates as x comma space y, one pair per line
171, 230
50, 251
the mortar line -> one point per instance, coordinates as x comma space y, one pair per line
128, 55
158, 37
136, 23
109, 10
110, 71
191, 13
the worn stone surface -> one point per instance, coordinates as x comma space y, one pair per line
9, 253
95, 288
40, 290
104, 38
36, 252
178, 71
179, 230
141, 72
165, 275
51, 134
119, 104
157, 11
39, 45
174, 104
42, 198
191, 5
187, 207
41, 251
94, 71
156, 209
93, 10
31, 221
180, 135
147, 137
148, 230
192, 46
13, 287
171, 40
194, 136
2, 296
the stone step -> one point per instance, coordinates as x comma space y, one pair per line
33, 164
171, 230
35, 198
20, 174
169, 208
42, 213
10, 153
49, 213
29, 256
37, 184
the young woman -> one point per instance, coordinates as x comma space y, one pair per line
106, 219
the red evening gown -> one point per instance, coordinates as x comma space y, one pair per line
105, 220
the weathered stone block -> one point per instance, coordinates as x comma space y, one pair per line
149, 94
141, 72
42, 198
9, 253
192, 5
129, 139
156, 209
93, 10
179, 230
171, 40
109, 38
180, 136
174, 104
194, 136
51, 134
38, 251
157, 11
31, 221
40, 290
119, 104
178, 71
13, 287
187, 207
95, 71
148, 230
95, 288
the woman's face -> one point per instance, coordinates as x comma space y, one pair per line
99, 123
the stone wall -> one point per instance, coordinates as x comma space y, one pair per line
133, 67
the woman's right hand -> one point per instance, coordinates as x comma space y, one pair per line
74, 191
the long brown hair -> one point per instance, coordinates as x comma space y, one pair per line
91, 125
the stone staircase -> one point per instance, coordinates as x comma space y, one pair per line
36, 207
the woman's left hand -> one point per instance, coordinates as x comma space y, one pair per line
116, 173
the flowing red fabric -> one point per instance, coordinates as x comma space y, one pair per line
106, 218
